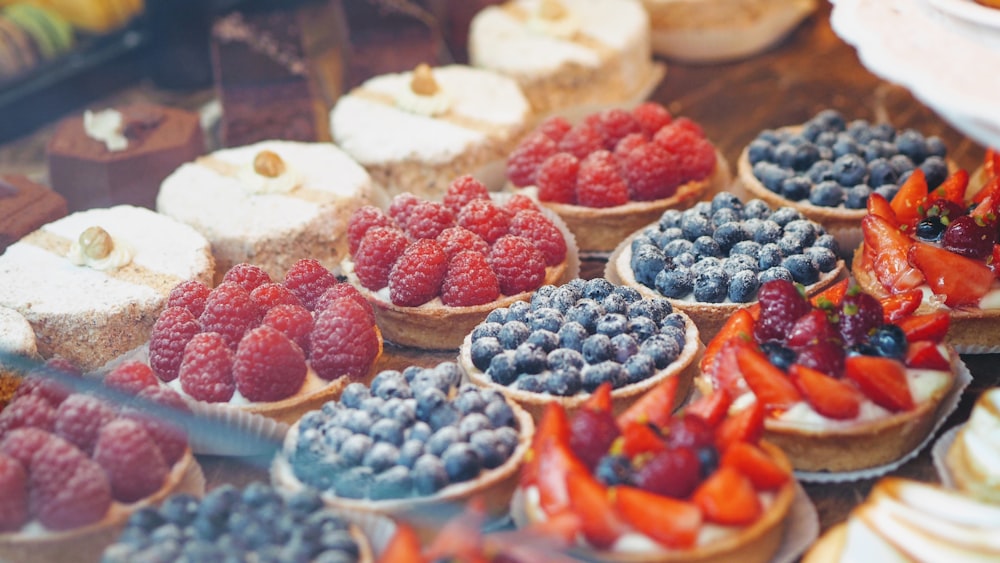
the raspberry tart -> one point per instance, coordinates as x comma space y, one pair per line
270, 203
432, 271
616, 171
845, 381
971, 459
827, 168
416, 131
650, 486
710, 260
571, 339
91, 284
415, 442
277, 350
73, 468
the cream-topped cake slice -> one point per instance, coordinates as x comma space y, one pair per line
270, 203
974, 457
91, 284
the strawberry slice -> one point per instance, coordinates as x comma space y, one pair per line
639, 438
829, 396
740, 325
878, 205
900, 305
727, 497
883, 380
994, 261
910, 198
953, 188
888, 247
991, 163
831, 296
673, 523
925, 355
556, 466
711, 408
600, 399
932, 326
725, 373
553, 427
768, 383
563, 526
746, 425
987, 198
654, 407
403, 547
600, 522
961, 280
760, 468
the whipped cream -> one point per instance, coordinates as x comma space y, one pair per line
257, 183
84, 252
981, 437
106, 126
552, 18
429, 105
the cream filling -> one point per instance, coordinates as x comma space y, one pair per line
106, 126
981, 436
431, 105
121, 254
258, 184
312, 384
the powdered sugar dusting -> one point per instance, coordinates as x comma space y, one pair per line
16, 336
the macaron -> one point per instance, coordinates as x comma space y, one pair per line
17, 50
51, 33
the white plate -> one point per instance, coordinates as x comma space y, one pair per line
969, 11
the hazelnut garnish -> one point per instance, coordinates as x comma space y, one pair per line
268, 163
552, 10
423, 82
96, 243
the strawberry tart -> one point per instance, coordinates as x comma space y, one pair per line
432, 270
91, 284
617, 171
270, 203
972, 458
416, 131
275, 349
567, 54
649, 486
74, 468
844, 381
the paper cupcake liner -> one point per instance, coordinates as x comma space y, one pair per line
976, 349
938, 454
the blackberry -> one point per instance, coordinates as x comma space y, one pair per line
585, 312
676, 283
743, 286
823, 258
662, 349
641, 328
769, 256
760, 150
856, 197
544, 339
564, 382
461, 462
775, 273
779, 356
612, 324
728, 234
935, 170
711, 286
596, 348
615, 470
529, 358
593, 375
571, 336
695, 225
646, 263
638, 368
820, 171
827, 194
880, 171
705, 246
796, 188
803, 270
756, 209
889, 341
677, 247
429, 475
381, 456
483, 350
513, 334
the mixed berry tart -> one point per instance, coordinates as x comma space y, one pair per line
414, 442
433, 270
275, 349
74, 467
710, 260
971, 459
827, 168
570, 339
843, 381
616, 171
256, 523
647, 485
937, 250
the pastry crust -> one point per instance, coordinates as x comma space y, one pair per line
964, 474
86, 543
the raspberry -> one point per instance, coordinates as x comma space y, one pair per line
698, 162
399, 209
173, 329
416, 277
131, 377
860, 313
598, 183
781, 304
13, 495
519, 266
80, 417
428, 219
486, 219
469, 280
30, 411
546, 237
673, 473
66, 489
21, 444
591, 434
520, 202
191, 295
206, 373
616, 124
308, 279
379, 250
273, 294
344, 342
651, 117
825, 356
133, 463
268, 366
555, 127
523, 163
169, 437
230, 312
651, 172
462, 190
557, 178
248, 276
332, 297
628, 144
688, 125
42, 381
457, 239
363, 219
294, 321
582, 140
676, 138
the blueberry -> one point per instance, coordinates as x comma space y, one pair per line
545, 318
518, 311
638, 368
784, 154
498, 316
825, 140
743, 287
804, 156
615, 470
803, 269
775, 273
760, 150
827, 194
315, 419
674, 320
861, 130
304, 502
393, 482
684, 260
148, 518
695, 225
340, 540
769, 256
403, 411
850, 170
623, 346
911, 143
748, 247
612, 324
889, 341
123, 551
935, 170
708, 460
823, 258
411, 372
486, 329
877, 149
779, 356
661, 348
827, 241
179, 509
483, 351
615, 303
387, 430
444, 415
845, 145
441, 439
540, 298
653, 309
353, 394
372, 406
563, 381
880, 171
390, 383
676, 283
930, 229
594, 375
381, 456
354, 482
888, 191
677, 247
706, 263
419, 431
502, 368
792, 243
449, 373
771, 175
529, 358
571, 335
499, 413
830, 119
772, 136
585, 312
785, 215
461, 462
562, 358
856, 197
706, 246
902, 164
756, 209
596, 348
597, 289
820, 171
935, 146
796, 188
726, 200
766, 231
564, 298
430, 379
355, 448
671, 218
711, 286
725, 215
358, 420
472, 423
513, 334
409, 452
428, 399
646, 263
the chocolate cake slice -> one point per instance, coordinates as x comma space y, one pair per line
25, 206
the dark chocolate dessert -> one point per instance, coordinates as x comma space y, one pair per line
25, 206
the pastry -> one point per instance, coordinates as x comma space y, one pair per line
416, 442
417, 131
570, 339
265, 348
905, 520
649, 486
566, 54
827, 168
18, 53
971, 459
96, 17
17, 347
91, 284
25, 206
270, 204
710, 260
617, 171
842, 386
120, 155
432, 271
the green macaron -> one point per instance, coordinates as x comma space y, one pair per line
52, 34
